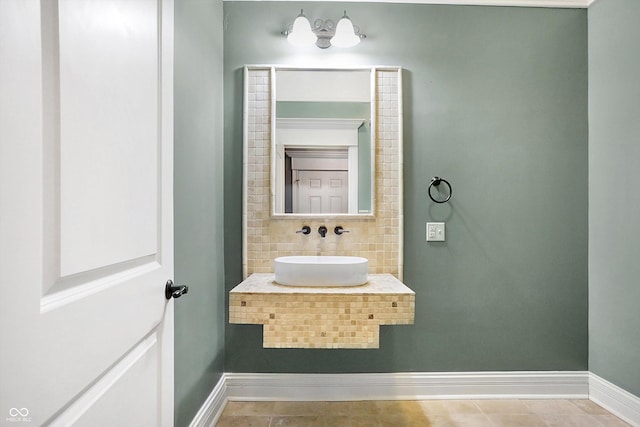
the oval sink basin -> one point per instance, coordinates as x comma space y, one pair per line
321, 270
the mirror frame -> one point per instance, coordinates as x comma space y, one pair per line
275, 182
378, 238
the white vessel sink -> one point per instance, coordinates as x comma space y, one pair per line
321, 270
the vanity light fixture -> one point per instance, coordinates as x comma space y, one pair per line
300, 33
323, 33
346, 35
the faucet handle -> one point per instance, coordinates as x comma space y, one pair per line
305, 230
339, 230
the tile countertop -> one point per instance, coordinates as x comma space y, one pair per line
378, 284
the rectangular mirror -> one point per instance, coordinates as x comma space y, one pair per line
377, 235
323, 142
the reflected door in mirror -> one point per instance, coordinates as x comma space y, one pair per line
320, 192
322, 115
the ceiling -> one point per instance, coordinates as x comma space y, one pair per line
520, 3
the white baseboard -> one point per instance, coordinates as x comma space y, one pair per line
212, 408
418, 385
407, 386
614, 399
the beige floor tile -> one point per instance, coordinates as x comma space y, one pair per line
590, 407
559, 420
517, 420
297, 421
446, 407
610, 421
459, 420
300, 408
248, 408
402, 420
410, 408
547, 406
351, 421
426, 413
339, 409
351, 408
401, 413
243, 421
503, 407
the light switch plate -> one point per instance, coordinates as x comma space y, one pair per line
435, 232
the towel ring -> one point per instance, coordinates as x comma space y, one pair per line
436, 181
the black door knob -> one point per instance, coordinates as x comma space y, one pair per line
174, 291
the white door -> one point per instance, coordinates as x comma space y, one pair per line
321, 191
86, 334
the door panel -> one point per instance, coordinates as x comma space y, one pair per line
86, 186
136, 374
108, 102
321, 191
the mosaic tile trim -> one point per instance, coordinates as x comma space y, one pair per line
379, 238
321, 317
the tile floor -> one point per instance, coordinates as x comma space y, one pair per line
425, 413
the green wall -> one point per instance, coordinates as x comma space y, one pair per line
495, 101
198, 187
614, 201
323, 110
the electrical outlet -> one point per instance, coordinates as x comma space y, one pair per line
435, 232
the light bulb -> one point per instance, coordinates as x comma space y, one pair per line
301, 34
345, 35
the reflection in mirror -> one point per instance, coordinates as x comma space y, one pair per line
322, 159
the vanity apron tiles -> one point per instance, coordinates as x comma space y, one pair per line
317, 317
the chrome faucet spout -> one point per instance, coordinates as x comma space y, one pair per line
339, 230
323, 231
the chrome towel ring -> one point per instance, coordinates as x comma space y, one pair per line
435, 181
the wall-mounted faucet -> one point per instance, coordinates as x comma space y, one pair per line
323, 231
339, 230
305, 230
